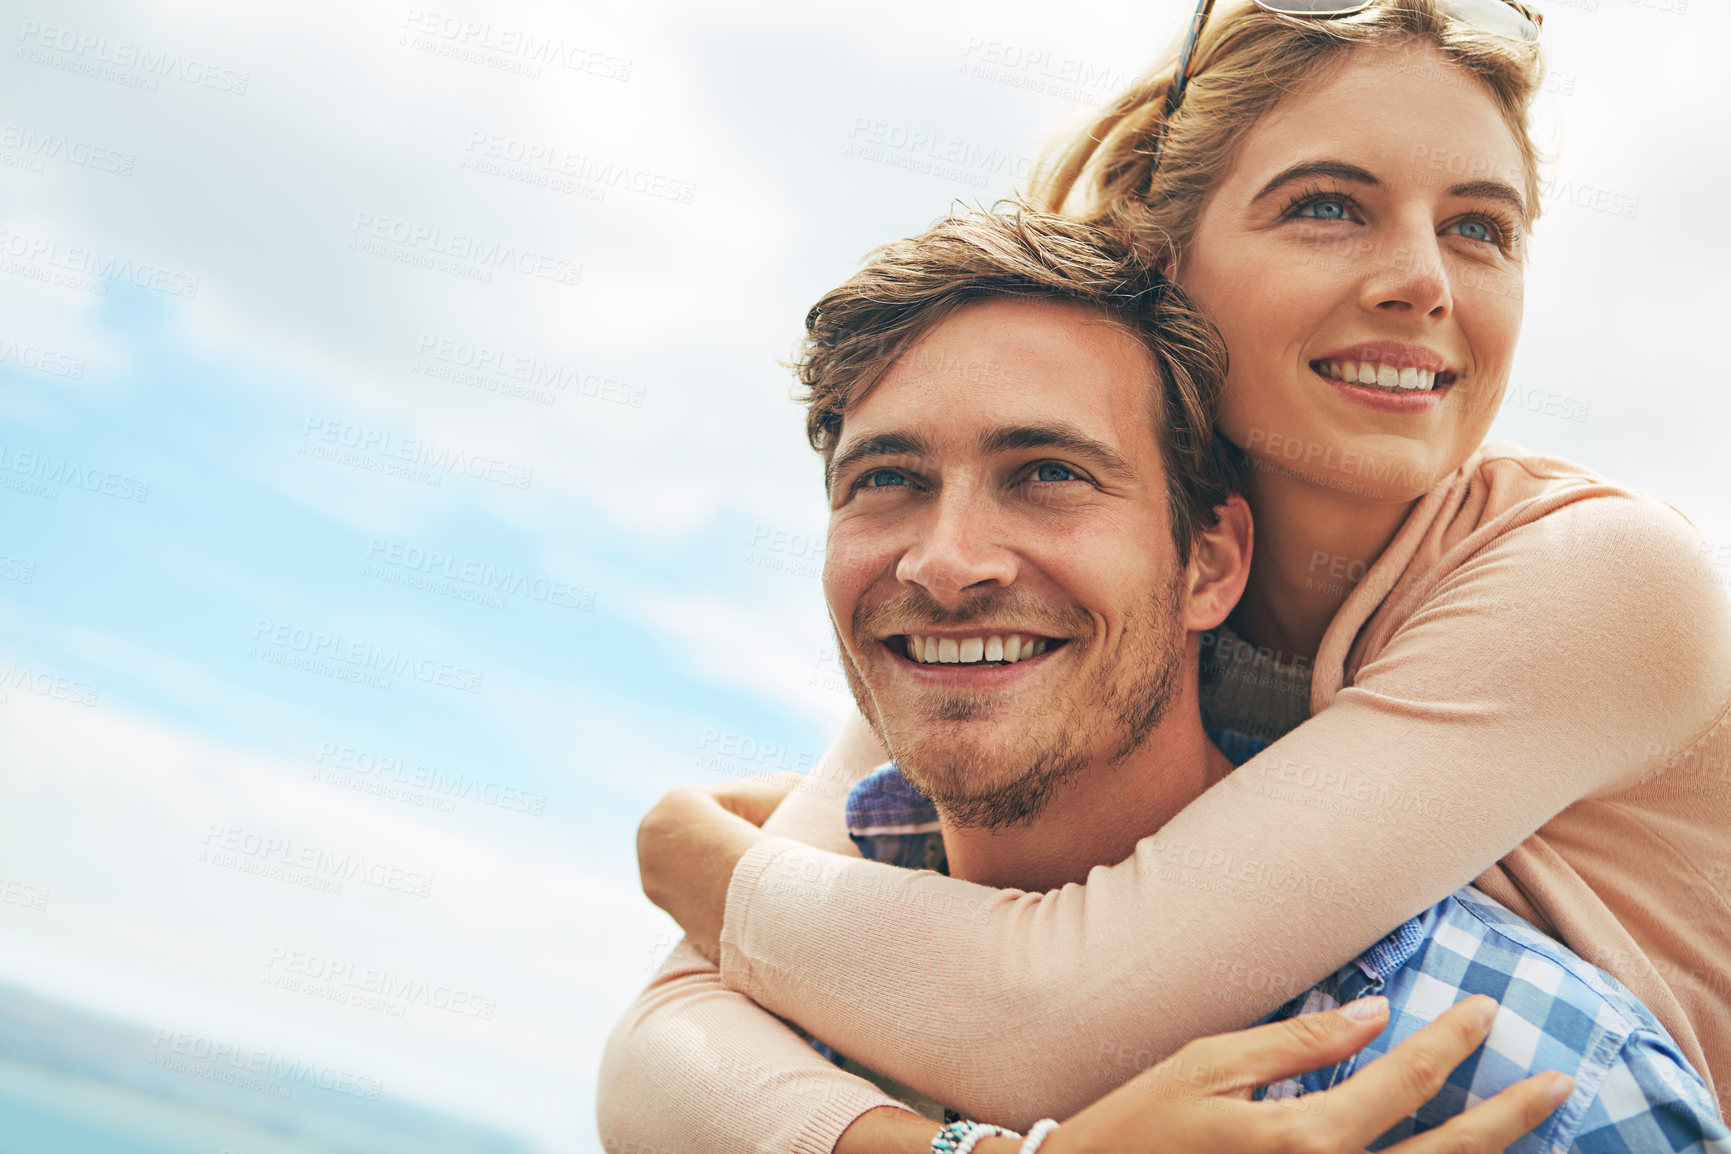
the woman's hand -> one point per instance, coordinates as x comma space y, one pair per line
1198, 1099
755, 798
690, 841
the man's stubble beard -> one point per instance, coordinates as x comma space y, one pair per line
1134, 692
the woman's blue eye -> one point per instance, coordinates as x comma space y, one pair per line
1327, 208
1052, 472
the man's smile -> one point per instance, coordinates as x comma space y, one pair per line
976, 658
1000, 648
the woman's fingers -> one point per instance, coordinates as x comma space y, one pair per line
755, 798
1237, 1062
1408, 1076
687, 846
1192, 1101
1493, 1125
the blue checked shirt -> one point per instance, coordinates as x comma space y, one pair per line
1635, 1093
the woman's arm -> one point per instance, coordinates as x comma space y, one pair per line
1564, 659
693, 1066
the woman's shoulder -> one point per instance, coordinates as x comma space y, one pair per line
1572, 515
1535, 557
1571, 602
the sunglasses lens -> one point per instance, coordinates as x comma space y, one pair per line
1494, 16
1314, 7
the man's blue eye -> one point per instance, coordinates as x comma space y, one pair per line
1051, 472
883, 479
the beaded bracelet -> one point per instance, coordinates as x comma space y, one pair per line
961, 1137
1037, 1135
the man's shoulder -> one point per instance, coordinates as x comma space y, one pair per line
1557, 1012
1634, 1089
1473, 930
892, 822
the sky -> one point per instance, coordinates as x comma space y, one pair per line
400, 487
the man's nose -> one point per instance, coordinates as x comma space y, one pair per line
959, 551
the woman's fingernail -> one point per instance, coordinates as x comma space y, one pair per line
1365, 1009
1487, 1011
1561, 1087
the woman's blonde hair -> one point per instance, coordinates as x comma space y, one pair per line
1247, 61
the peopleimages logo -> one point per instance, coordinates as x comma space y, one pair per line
343, 977
213, 1059
315, 644
228, 846
362, 441
44, 467
87, 53
497, 370
551, 160
42, 145
100, 266
380, 235
46, 684
520, 46
385, 774
39, 359
480, 576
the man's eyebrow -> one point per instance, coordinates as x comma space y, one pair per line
1066, 438
1337, 169
1492, 190
879, 445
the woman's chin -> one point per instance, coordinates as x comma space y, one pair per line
1357, 472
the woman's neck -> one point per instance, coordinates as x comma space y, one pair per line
1313, 546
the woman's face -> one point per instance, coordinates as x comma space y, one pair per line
1363, 261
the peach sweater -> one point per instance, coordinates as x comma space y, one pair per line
1537, 650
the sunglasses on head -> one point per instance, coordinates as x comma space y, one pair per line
1501, 17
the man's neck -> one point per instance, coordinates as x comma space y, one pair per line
1099, 815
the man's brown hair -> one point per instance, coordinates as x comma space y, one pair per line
858, 331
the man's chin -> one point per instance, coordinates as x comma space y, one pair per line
987, 789
981, 775
976, 742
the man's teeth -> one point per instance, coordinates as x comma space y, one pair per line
973, 650
1378, 376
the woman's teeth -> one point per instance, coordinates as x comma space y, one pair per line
1378, 376
973, 650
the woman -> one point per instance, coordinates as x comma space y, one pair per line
1525, 648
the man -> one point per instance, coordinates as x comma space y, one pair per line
1031, 528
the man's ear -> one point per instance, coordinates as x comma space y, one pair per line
1219, 566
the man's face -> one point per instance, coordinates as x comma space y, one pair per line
1000, 567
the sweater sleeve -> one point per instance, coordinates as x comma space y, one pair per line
1565, 658
695, 1068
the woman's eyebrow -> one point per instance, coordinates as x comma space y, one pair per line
1337, 169
1340, 170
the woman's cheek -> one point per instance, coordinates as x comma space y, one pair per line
1258, 409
